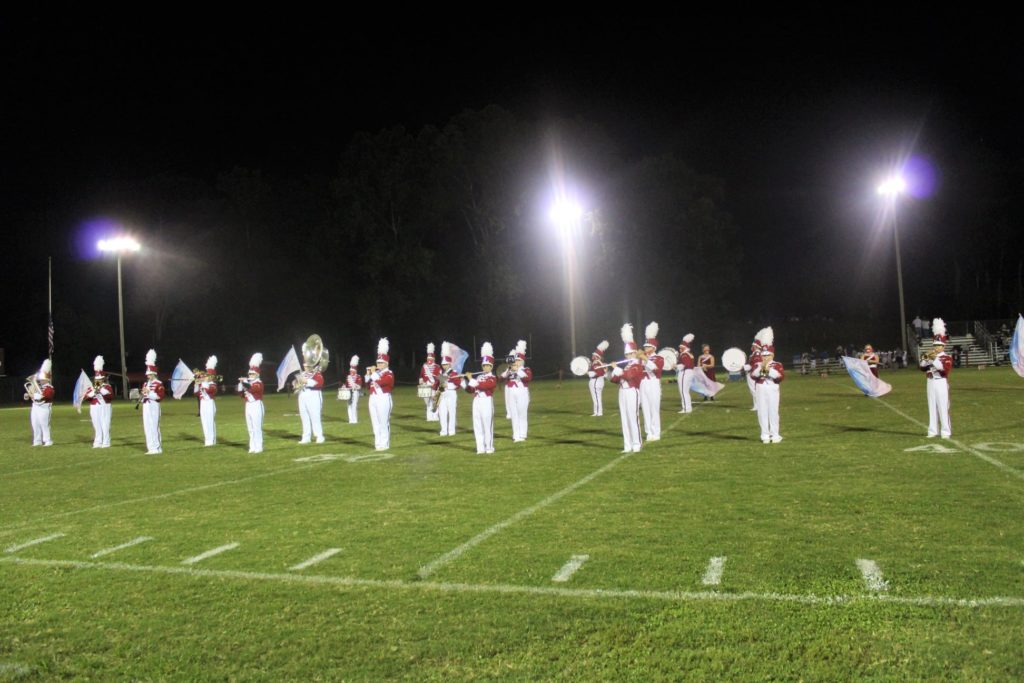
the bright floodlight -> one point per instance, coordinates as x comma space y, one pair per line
119, 245
565, 214
892, 186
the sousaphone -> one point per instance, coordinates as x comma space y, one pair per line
314, 355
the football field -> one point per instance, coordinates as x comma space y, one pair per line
856, 548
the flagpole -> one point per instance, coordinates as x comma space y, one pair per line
49, 286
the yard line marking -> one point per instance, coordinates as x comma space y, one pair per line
873, 580
35, 541
90, 461
547, 591
713, 574
210, 553
973, 451
129, 544
13, 669
12, 528
313, 560
569, 568
435, 564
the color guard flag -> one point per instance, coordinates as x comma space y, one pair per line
1017, 347
703, 385
289, 365
459, 357
180, 379
80, 387
862, 377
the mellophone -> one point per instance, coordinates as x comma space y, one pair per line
580, 365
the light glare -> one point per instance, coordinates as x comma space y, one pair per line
565, 214
119, 244
892, 186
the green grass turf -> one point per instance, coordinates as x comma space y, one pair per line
791, 519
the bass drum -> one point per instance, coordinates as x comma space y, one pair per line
424, 391
344, 394
733, 359
671, 358
579, 366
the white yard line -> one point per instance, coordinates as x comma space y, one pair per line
210, 553
435, 564
12, 528
129, 544
569, 568
713, 574
548, 591
35, 541
330, 552
873, 580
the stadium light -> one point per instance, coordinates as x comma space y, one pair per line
567, 217
120, 246
891, 188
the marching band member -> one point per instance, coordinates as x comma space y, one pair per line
447, 382
707, 366
684, 373
39, 390
381, 381
505, 392
354, 381
768, 374
482, 387
937, 364
100, 394
151, 394
650, 385
311, 401
517, 381
870, 356
755, 351
628, 378
251, 390
428, 377
205, 390
596, 374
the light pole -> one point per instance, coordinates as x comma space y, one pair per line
120, 246
567, 217
891, 189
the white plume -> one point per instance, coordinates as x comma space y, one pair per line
688, 338
256, 360
767, 336
446, 349
521, 346
627, 334
151, 357
97, 363
603, 346
354, 363
652, 331
486, 349
45, 368
759, 337
939, 326
430, 348
211, 362
383, 346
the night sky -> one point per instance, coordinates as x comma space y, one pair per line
799, 116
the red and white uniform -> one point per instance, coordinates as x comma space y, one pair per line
767, 379
206, 391
100, 395
684, 376
42, 410
482, 387
152, 394
380, 383
755, 352
429, 373
650, 393
596, 382
354, 382
937, 371
449, 400
311, 402
628, 379
251, 392
517, 384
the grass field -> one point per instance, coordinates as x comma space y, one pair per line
856, 548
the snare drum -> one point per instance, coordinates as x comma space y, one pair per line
424, 391
344, 394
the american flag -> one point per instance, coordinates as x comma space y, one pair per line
49, 335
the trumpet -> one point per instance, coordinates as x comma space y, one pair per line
931, 355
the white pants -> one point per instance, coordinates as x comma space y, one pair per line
431, 415
254, 421
508, 408
208, 416
752, 385
650, 402
446, 411
596, 387
380, 418
353, 407
684, 378
151, 425
938, 408
40, 419
483, 423
519, 407
767, 396
100, 414
311, 402
629, 411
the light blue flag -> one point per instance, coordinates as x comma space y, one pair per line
80, 387
1017, 347
860, 371
181, 378
289, 365
704, 385
459, 357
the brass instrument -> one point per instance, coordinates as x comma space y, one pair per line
932, 354
32, 386
442, 384
314, 357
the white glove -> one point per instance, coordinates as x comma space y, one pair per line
521, 374
473, 383
592, 374
924, 363
937, 364
617, 372
38, 396
746, 367
774, 374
